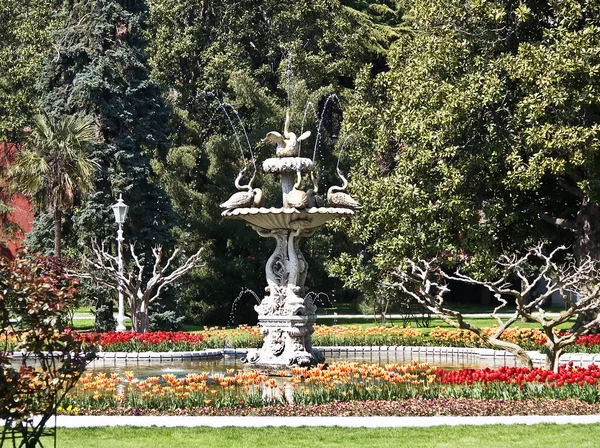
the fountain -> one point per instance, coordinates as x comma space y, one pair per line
287, 314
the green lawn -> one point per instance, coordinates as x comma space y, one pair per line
326, 317
500, 436
86, 324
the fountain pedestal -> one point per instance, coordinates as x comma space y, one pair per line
287, 314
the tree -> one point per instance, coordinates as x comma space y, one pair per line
8, 227
482, 137
577, 285
100, 67
140, 286
25, 27
383, 22
424, 282
261, 57
98, 64
56, 165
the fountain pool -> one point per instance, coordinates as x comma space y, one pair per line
220, 361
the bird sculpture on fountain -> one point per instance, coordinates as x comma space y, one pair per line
297, 198
246, 197
287, 144
336, 196
314, 200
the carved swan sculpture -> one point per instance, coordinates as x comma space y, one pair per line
246, 197
337, 198
314, 200
297, 198
287, 144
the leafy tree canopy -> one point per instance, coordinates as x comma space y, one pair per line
481, 139
25, 27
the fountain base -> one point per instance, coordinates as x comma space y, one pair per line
286, 343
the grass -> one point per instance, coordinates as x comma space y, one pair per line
492, 436
326, 317
85, 324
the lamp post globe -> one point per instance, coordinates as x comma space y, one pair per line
120, 211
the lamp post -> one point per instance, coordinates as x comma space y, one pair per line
120, 210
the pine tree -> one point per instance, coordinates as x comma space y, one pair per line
262, 56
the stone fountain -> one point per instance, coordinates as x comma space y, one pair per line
287, 314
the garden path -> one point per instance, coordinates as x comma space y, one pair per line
69, 421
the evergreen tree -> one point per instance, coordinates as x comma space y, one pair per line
99, 66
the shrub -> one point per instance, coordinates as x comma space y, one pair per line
36, 302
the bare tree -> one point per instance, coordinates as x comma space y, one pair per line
425, 283
577, 284
103, 268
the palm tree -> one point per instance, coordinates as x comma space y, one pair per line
56, 164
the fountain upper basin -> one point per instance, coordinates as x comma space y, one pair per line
287, 218
288, 165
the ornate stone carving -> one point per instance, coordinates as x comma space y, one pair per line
287, 165
287, 144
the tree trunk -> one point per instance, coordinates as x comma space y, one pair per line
143, 320
588, 231
134, 316
514, 349
587, 245
57, 231
552, 357
139, 317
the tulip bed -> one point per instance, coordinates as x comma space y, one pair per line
180, 341
250, 337
568, 389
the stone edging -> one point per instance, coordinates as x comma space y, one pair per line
464, 355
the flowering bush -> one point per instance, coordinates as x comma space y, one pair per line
340, 382
337, 335
527, 338
36, 300
169, 392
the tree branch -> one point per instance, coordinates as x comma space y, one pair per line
559, 222
103, 268
573, 189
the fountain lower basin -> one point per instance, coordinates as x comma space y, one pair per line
219, 361
287, 218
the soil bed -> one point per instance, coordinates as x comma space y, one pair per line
402, 408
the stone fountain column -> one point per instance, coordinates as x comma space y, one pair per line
286, 316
